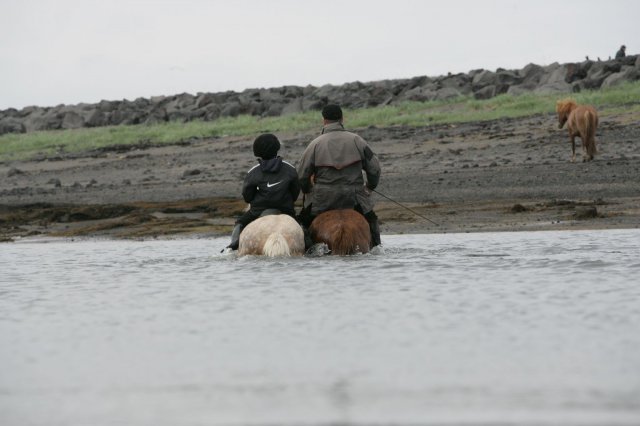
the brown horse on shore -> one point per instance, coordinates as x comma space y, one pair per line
582, 121
343, 231
272, 235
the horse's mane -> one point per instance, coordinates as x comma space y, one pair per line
564, 107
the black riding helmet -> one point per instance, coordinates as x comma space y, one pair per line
266, 146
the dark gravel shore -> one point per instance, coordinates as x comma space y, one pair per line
501, 175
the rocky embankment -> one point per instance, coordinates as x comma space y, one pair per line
482, 84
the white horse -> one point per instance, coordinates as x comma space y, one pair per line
272, 235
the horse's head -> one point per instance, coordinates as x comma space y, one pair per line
563, 108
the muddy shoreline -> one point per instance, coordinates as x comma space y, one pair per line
503, 175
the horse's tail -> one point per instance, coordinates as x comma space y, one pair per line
342, 245
347, 240
591, 121
276, 245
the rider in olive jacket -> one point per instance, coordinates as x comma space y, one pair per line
331, 171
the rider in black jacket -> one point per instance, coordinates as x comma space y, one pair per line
270, 184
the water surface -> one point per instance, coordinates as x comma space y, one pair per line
519, 328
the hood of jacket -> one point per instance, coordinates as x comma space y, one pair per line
272, 165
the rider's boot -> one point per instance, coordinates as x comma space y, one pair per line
235, 237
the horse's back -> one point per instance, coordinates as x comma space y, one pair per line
273, 235
585, 123
585, 118
344, 231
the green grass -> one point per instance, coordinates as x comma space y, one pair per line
464, 109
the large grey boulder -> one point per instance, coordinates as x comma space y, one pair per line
157, 115
273, 110
531, 74
530, 77
43, 119
97, 118
231, 109
72, 120
506, 79
447, 93
627, 73
487, 92
420, 94
461, 83
483, 79
553, 81
597, 73
577, 71
293, 107
11, 125
211, 112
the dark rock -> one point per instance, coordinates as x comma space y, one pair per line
485, 93
518, 208
583, 213
293, 107
13, 172
508, 78
483, 79
188, 173
447, 93
627, 73
211, 112
531, 74
11, 125
72, 120
232, 109
273, 110
96, 118
204, 100
577, 71
157, 115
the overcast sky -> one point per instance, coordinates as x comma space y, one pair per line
72, 51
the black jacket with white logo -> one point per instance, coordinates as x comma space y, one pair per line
271, 184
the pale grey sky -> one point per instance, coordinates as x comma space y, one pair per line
72, 51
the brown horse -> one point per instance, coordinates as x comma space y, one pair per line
344, 231
272, 235
582, 121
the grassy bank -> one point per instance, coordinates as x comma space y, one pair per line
46, 143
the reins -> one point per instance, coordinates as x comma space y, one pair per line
402, 205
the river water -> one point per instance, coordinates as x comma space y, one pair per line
509, 328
